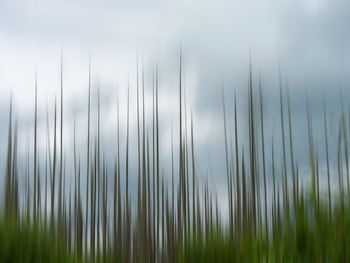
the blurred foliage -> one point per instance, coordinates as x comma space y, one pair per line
23, 242
305, 237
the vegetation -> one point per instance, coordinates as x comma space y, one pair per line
21, 242
176, 217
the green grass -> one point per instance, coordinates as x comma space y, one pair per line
306, 239
23, 242
176, 217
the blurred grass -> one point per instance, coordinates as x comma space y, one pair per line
300, 225
308, 238
23, 242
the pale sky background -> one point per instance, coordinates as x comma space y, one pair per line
309, 39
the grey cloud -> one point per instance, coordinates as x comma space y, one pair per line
311, 45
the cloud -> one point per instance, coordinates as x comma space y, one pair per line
308, 40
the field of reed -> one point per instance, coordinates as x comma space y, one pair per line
272, 215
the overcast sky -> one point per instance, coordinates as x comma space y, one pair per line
307, 39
